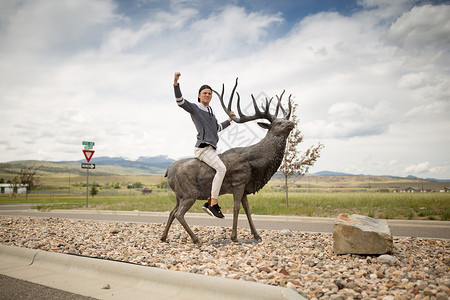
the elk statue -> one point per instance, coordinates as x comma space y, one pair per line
248, 168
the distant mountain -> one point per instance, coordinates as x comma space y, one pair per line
161, 161
106, 165
105, 160
144, 165
324, 173
429, 179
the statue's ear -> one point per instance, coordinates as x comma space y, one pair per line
264, 125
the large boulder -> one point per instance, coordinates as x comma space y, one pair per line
356, 234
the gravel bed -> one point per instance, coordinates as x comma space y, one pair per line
418, 268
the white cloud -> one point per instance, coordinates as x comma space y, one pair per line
419, 168
347, 110
439, 170
393, 162
36, 26
121, 39
230, 32
350, 119
422, 27
432, 109
418, 80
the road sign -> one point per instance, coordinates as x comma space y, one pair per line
88, 145
88, 154
87, 166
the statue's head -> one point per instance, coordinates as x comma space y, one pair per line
278, 127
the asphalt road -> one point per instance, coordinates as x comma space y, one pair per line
13, 289
405, 228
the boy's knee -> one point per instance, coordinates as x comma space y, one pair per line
222, 169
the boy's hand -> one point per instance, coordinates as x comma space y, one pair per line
175, 79
233, 114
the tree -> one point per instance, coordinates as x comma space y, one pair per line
136, 185
14, 184
29, 178
93, 190
296, 164
163, 185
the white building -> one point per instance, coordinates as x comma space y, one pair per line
8, 188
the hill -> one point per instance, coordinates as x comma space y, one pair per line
157, 165
103, 166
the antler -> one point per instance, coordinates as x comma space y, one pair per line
264, 114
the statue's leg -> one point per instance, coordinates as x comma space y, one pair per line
249, 218
185, 205
169, 221
237, 195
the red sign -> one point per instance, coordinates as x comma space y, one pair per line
88, 154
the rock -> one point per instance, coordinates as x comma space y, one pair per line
106, 286
428, 292
441, 296
290, 285
264, 269
284, 272
303, 260
339, 284
356, 234
337, 297
286, 232
421, 285
114, 230
387, 259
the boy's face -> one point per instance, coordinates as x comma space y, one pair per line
205, 96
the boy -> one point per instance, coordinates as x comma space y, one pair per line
205, 148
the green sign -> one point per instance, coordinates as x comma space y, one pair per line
88, 145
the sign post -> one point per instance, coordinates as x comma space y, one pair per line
88, 153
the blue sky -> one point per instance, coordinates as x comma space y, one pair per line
371, 77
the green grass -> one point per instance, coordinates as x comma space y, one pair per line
430, 206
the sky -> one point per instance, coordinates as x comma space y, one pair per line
371, 77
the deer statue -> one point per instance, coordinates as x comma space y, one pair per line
248, 168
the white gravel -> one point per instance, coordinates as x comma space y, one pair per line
418, 268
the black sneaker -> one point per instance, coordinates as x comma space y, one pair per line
205, 208
215, 211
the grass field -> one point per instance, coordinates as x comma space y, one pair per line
431, 206
323, 196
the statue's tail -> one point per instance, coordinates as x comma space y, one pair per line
169, 168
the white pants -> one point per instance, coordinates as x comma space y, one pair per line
210, 157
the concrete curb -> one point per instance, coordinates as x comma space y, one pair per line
87, 276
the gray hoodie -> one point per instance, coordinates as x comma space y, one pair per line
204, 120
